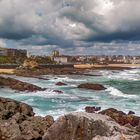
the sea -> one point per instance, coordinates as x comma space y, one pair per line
122, 93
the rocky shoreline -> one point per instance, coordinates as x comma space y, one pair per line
27, 87
61, 71
18, 122
20, 86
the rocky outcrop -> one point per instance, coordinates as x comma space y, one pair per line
61, 84
17, 121
87, 126
9, 107
121, 117
131, 113
19, 85
30, 64
92, 86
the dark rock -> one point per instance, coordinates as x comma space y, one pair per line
86, 126
58, 91
41, 78
92, 86
112, 110
92, 109
19, 85
121, 117
131, 113
97, 108
60, 84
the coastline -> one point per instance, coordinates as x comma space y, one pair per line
106, 66
75, 122
74, 69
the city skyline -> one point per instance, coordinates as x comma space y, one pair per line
92, 27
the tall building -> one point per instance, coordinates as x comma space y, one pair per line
13, 52
55, 53
3, 52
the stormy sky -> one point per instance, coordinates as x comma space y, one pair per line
71, 26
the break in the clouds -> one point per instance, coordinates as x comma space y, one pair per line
72, 26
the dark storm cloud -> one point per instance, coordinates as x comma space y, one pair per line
69, 23
117, 36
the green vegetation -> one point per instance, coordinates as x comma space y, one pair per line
11, 60
15, 60
41, 59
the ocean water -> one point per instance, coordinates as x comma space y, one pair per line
123, 92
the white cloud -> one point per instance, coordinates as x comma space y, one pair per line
69, 23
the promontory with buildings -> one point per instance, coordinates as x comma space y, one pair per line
17, 56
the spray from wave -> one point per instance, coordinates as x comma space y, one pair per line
115, 92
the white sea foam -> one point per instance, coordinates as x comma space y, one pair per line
55, 113
104, 72
66, 79
115, 92
45, 94
125, 75
134, 71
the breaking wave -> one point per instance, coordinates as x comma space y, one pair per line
115, 92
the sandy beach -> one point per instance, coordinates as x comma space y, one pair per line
7, 71
104, 66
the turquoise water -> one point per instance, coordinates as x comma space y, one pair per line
123, 92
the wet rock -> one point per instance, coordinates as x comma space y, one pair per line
19, 85
97, 108
58, 91
41, 78
87, 126
92, 86
60, 84
121, 117
92, 109
131, 113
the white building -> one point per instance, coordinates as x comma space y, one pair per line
61, 59
3, 52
